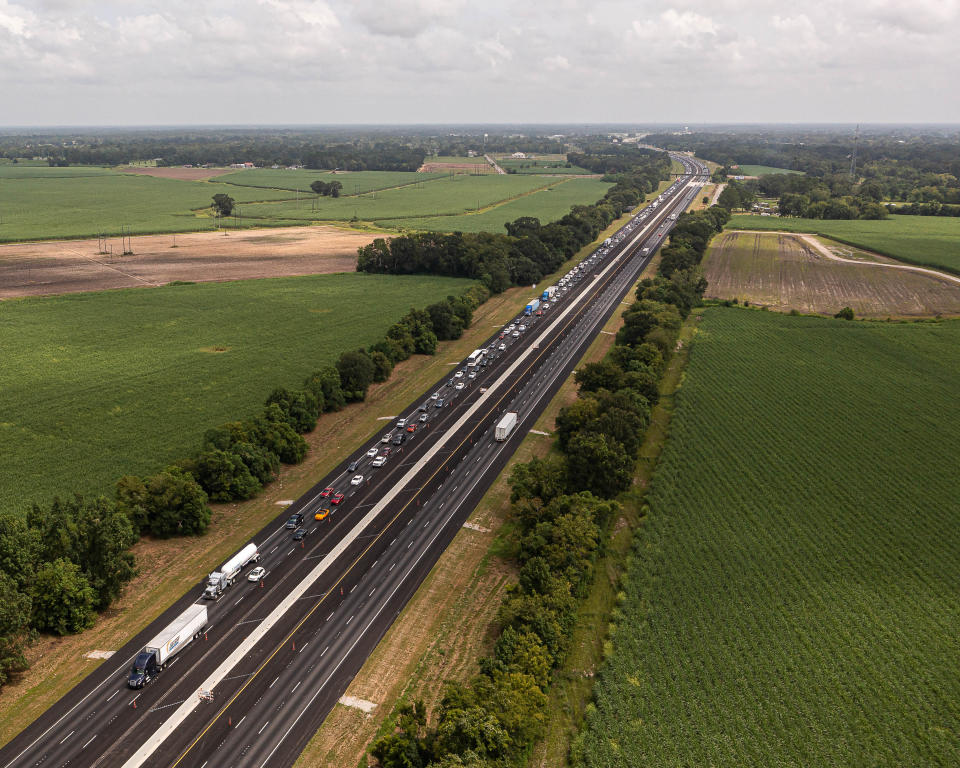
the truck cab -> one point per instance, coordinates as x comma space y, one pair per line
144, 669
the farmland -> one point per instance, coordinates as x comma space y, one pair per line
931, 241
764, 170
784, 273
548, 204
794, 598
101, 384
52, 206
450, 195
555, 164
39, 202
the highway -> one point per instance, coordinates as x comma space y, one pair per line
277, 654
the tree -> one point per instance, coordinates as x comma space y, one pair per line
176, 504
15, 612
20, 548
223, 204
275, 434
325, 384
62, 598
357, 370
224, 476
602, 375
598, 464
407, 746
844, 314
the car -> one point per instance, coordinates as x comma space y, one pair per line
385, 439
483, 363
522, 328
371, 453
439, 403
401, 423
323, 514
502, 347
460, 385
299, 534
423, 407
325, 493
423, 417
400, 437
473, 375
379, 461
435, 396
357, 480
257, 573
294, 521
546, 305
412, 428
501, 335
352, 466
516, 334
539, 312
336, 498
458, 375
386, 451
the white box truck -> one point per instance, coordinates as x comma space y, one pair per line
187, 626
218, 581
505, 427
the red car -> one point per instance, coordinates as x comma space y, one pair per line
325, 493
501, 335
336, 498
412, 428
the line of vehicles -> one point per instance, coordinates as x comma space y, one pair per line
190, 624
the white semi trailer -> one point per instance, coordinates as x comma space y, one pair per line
174, 638
505, 427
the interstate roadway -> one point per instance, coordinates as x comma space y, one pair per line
275, 658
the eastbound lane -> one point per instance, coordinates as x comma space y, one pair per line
286, 678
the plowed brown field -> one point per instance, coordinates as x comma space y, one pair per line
42, 268
783, 272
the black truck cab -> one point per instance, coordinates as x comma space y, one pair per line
145, 668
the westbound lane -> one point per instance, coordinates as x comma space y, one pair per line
289, 565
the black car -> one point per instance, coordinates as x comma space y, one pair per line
295, 521
398, 438
299, 534
352, 466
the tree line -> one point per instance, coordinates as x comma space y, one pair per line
528, 251
62, 563
563, 507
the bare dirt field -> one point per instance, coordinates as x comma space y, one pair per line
785, 272
474, 168
182, 174
74, 266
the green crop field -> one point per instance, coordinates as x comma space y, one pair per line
51, 206
354, 182
23, 171
764, 170
548, 204
97, 385
449, 195
795, 596
931, 241
555, 164
456, 160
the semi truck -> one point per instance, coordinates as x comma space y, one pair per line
532, 306
218, 581
505, 427
188, 626
549, 293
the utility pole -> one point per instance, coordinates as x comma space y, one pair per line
853, 156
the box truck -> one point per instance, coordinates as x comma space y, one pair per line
532, 306
188, 626
505, 427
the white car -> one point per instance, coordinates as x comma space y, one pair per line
435, 395
458, 375
379, 461
357, 480
473, 375
516, 334
546, 305
423, 418
401, 423
371, 453
522, 328
386, 438
459, 385
257, 573
502, 347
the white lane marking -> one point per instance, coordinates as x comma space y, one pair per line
264, 725
241, 720
68, 736
274, 682
113, 694
324, 651
330, 616
274, 549
303, 646
349, 620
88, 743
158, 736
238, 601
391, 567
296, 686
291, 551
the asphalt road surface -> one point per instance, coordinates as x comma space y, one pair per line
276, 655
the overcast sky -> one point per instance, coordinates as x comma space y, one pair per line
157, 62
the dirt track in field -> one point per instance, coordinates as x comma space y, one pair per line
785, 271
75, 266
182, 174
